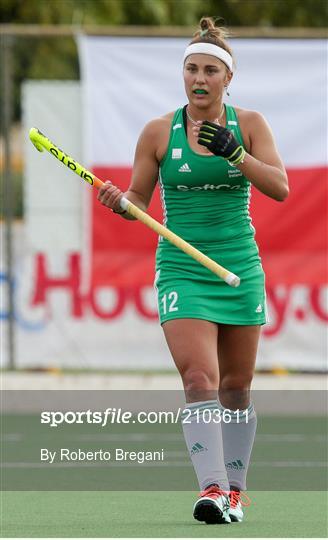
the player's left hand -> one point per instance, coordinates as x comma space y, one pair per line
221, 142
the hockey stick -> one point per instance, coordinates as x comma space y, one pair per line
41, 142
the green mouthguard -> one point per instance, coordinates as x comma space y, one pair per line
200, 92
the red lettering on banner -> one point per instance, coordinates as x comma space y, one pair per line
280, 298
45, 283
316, 304
300, 314
121, 299
141, 305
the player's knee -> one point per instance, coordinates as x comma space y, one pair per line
200, 384
234, 391
242, 381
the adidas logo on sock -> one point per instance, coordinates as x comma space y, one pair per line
237, 465
197, 448
259, 309
185, 168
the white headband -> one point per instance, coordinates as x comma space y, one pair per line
212, 50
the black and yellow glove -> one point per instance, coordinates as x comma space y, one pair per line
221, 142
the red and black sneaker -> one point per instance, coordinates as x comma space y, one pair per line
213, 506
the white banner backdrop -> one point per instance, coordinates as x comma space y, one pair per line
129, 81
59, 318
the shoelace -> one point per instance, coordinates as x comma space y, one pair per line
239, 496
212, 492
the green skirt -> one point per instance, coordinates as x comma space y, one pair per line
186, 289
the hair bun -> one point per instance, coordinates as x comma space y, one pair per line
208, 32
206, 23
207, 26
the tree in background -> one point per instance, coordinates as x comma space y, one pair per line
56, 58
307, 13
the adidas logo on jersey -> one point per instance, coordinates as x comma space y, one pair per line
185, 168
259, 309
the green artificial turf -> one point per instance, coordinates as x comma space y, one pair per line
289, 454
156, 514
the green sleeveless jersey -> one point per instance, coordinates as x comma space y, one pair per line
206, 202
204, 198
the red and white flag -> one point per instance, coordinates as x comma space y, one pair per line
129, 81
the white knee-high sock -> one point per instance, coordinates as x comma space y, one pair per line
204, 442
238, 438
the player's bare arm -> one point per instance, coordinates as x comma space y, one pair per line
151, 147
262, 164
